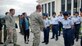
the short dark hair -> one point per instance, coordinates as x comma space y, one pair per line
45, 14
6, 13
65, 13
38, 6
76, 12
23, 13
11, 10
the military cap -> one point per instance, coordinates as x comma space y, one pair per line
76, 12
45, 14
65, 13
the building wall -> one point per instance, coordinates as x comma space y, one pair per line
58, 6
68, 5
49, 4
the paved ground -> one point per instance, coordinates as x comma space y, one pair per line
52, 42
60, 42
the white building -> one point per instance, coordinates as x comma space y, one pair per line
50, 6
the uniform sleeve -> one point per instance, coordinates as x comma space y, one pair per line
72, 22
7, 19
60, 20
40, 20
50, 21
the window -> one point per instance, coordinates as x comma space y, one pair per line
49, 9
42, 9
53, 7
75, 5
45, 8
62, 5
69, 6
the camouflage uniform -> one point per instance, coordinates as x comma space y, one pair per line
36, 23
11, 31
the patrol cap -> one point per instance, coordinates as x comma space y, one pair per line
65, 13
81, 10
76, 12
45, 14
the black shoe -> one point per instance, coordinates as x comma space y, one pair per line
58, 35
52, 38
72, 44
43, 42
56, 39
1, 42
46, 43
26, 42
10, 42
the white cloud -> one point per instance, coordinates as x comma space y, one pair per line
27, 1
20, 6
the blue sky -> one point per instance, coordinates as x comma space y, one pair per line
27, 6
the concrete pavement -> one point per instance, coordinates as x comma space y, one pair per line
52, 42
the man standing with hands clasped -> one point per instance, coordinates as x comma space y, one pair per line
10, 26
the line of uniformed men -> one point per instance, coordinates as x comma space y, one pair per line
69, 24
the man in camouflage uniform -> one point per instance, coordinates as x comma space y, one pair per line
10, 26
36, 24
